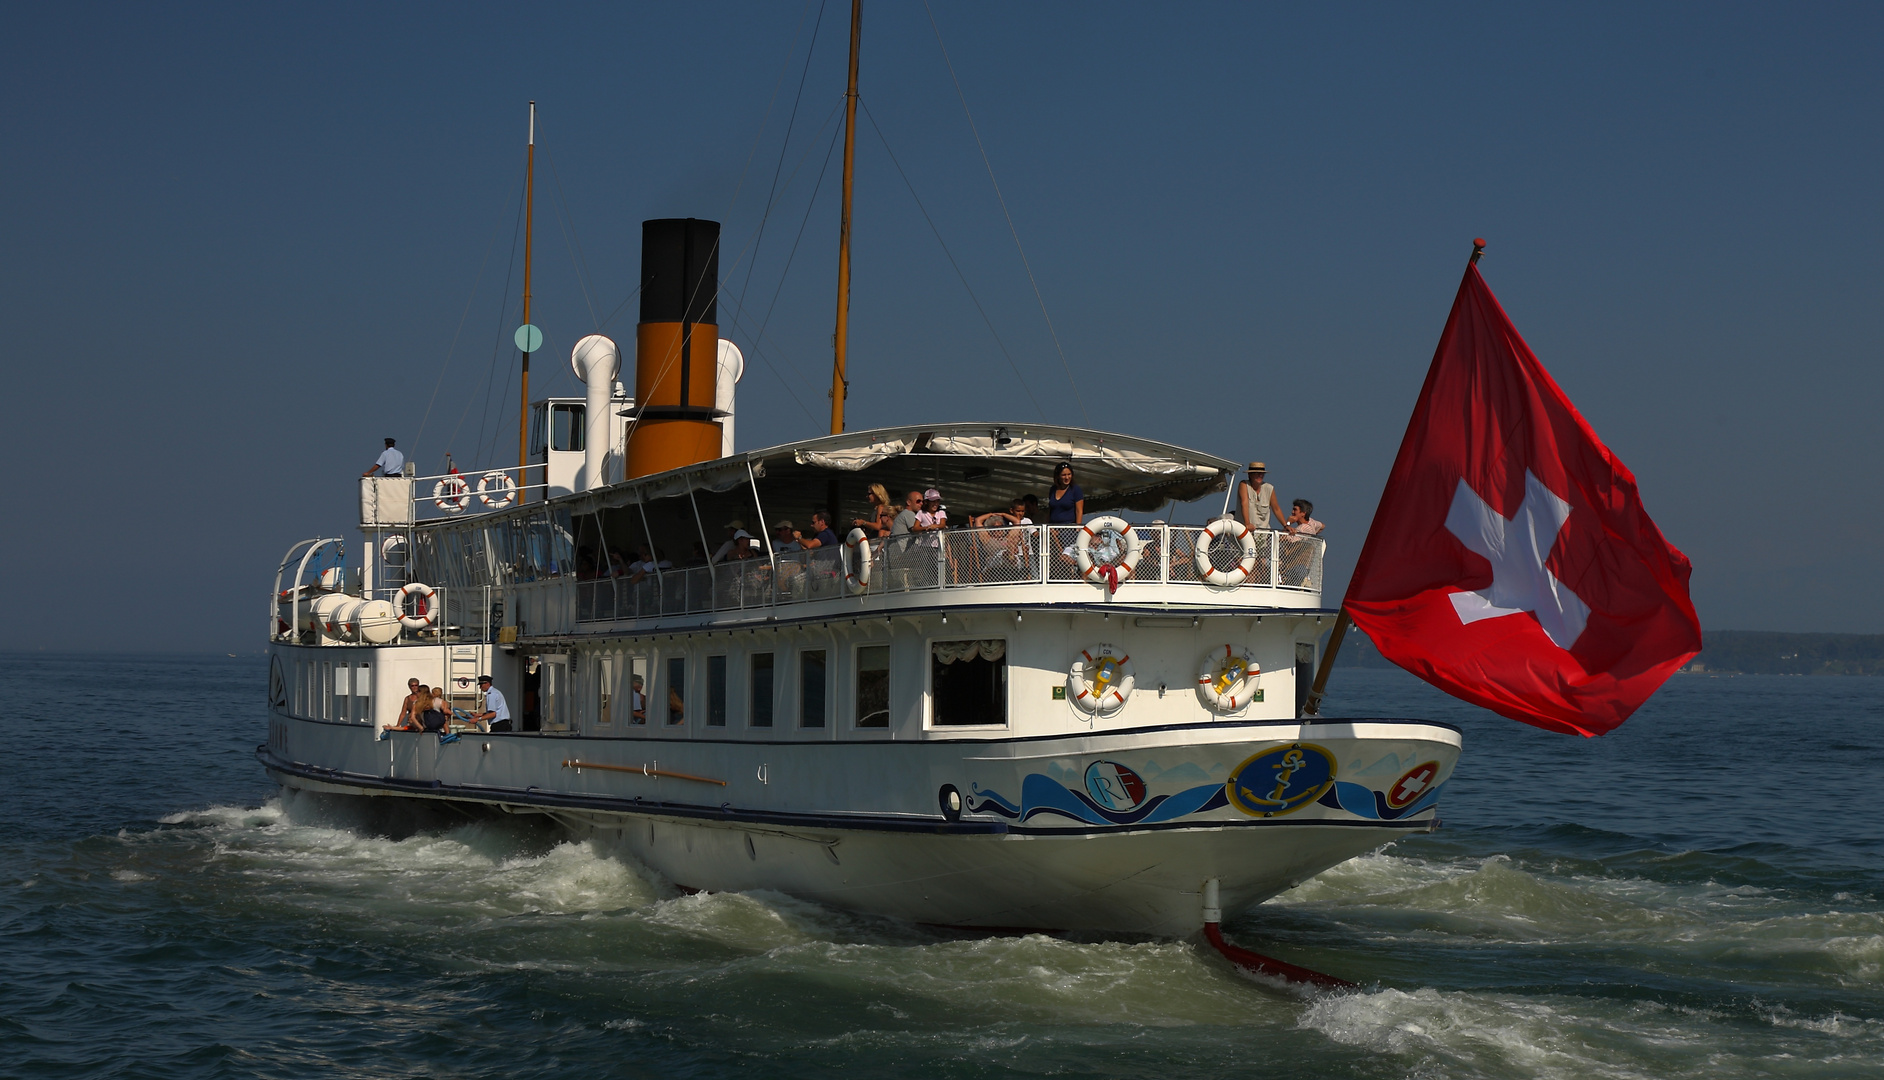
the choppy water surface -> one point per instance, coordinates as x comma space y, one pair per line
1695, 895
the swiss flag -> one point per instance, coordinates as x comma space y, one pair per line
1510, 562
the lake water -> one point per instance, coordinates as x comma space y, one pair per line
1696, 895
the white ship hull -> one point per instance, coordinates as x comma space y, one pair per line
1026, 852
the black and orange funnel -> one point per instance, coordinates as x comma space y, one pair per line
676, 347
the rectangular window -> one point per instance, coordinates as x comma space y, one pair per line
637, 690
873, 686
605, 692
343, 707
300, 688
761, 689
811, 688
327, 690
363, 693
676, 689
968, 683
716, 691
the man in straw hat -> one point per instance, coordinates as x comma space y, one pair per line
1256, 500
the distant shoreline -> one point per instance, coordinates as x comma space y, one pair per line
1726, 652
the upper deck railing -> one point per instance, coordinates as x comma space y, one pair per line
952, 559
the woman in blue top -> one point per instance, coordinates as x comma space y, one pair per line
1066, 503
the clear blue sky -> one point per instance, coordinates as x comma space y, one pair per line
243, 243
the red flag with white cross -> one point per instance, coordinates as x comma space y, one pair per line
1511, 563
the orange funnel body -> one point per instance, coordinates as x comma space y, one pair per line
676, 347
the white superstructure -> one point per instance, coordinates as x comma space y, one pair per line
977, 727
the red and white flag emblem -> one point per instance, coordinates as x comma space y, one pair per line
1510, 562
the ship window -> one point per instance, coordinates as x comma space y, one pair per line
676, 689
761, 689
968, 681
343, 708
363, 693
873, 686
327, 690
811, 688
637, 690
605, 692
566, 427
300, 689
716, 691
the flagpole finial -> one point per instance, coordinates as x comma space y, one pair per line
1478, 248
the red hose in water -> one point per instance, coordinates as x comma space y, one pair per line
1269, 966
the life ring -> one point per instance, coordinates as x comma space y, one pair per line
1100, 681
1228, 678
857, 559
1245, 566
1104, 573
496, 481
427, 614
452, 494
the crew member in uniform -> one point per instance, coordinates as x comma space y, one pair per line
496, 711
391, 462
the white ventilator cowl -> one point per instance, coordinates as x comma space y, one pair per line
732, 366
597, 361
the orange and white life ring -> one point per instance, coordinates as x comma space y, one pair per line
1108, 574
491, 484
452, 494
1228, 678
1245, 566
427, 613
1100, 681
857, 560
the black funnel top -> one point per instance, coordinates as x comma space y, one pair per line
680, 270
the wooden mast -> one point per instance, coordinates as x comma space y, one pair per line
523, 395
840, 341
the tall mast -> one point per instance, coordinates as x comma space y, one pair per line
840, 386
529, 226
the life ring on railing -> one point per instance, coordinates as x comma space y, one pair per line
452, 494
1228, 678
857, 559
1109, 574
495, 481
1100, 681
427, 615
1245, 566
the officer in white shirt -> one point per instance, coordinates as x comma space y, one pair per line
391, 463
496, 712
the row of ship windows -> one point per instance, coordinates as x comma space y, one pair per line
325, 690
967, 687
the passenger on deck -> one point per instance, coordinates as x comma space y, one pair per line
1002, 546
906, 520
785, 539
932, 515
391, 463
1301, 522
637, 701
648, 564
437, 714
496, 712
822, 535
738, 545
409, 710
1256, 500
1066, 502
881, 513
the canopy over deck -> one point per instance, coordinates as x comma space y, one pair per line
977, 467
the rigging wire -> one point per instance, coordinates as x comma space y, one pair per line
1018, 377
489, 246
793, 254
574, 246
1004, 212
771, 196
758, 136
503, 310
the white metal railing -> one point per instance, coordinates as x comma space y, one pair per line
957, 558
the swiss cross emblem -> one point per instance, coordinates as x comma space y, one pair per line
1517, 547
1412, 784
